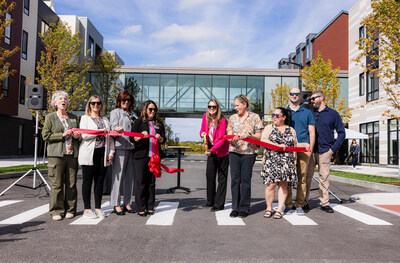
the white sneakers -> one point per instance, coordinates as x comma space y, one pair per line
90, 214
56, 217
100, 213
69, 215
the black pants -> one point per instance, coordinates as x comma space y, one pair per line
241, 173
145, 185
95, 172
217, 164
354, 159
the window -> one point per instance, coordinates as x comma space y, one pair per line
4, 88
393, 142
362, 84
308, 50
7, 31
361, 35
26, 7
22, 90
91, 47
369, 148
44, 27
298, 56
372, 87
24, 48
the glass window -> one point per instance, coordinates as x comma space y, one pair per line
185, 95
393, 143
270, 84
298, 56
168, 92
220, 90
133, 83
44, 27
372, 87
292, 82
361, 79
370, 147
344, 90
361, 34
7, 31
151, 87
4, 88
202, 92
255, 91
91, 47
26, 7
307, 50
22, 90
24, 48
237, 87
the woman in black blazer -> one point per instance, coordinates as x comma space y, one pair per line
145, 182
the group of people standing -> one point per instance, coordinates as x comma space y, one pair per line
67, 149
294, 126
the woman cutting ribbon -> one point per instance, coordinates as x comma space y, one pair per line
213, 127
145, 182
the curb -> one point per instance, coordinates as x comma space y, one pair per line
377, 186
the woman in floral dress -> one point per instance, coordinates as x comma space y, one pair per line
278, 167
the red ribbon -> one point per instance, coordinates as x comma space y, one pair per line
266, 145
155, 164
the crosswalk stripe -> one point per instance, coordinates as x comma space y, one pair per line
164, 214
295, 219
87, 221
26, 216
9, 202
223, 218
362, 217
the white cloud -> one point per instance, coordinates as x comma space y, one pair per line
131, 30
189, 34
189, 4
209, 58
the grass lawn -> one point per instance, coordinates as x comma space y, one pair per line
20, 168
367, 177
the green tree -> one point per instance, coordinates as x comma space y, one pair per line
320, 76
132, 85
106, 82
59, 68
382, 43
5, 67
279, 97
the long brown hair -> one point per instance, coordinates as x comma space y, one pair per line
218, 115
122, 96
145, 118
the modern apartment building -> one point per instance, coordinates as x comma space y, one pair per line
331, 41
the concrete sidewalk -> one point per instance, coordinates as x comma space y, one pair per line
368, 169
7, 162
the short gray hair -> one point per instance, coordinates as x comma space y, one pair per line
56, 95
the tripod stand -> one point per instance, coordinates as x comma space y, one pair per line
34, 169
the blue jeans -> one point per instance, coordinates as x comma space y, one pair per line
241, 166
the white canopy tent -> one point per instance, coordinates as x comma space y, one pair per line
353, 135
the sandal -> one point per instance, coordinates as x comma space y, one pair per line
268, 214
278, 215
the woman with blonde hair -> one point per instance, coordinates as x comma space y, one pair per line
242, 155
95, 154
62, 152
213, 127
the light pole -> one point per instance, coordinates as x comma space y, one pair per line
289, 62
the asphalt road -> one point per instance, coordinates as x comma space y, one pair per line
196, 234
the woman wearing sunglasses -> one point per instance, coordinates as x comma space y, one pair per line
123, 169
213, 127
145, 182
95, 154
278, 167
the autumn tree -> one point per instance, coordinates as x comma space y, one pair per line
106, 82
320, 76
279, 97
5, 53
59, 68
132, 85
381, 45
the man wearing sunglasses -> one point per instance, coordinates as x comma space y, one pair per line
303, 123
327, 121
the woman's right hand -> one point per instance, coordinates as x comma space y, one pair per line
67, 133
119, 129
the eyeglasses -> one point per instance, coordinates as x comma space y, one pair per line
126, 100
276, 115
314, 98
152, 109
96, 103
212, 107
294, 94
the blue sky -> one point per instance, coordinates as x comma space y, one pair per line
204, 33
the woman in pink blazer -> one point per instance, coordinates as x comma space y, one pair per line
213, 127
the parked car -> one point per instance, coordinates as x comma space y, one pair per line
168, 154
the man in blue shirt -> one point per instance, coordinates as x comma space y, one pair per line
303, 123
327, 121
